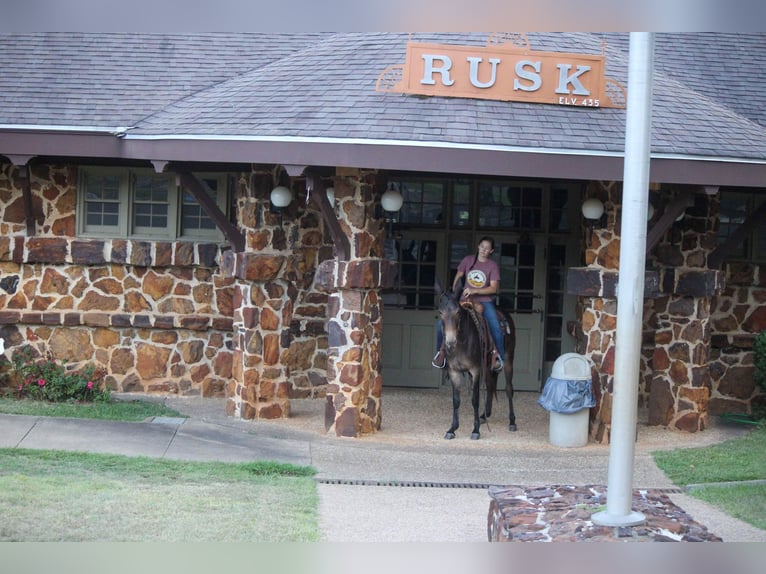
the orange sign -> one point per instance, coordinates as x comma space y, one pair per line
504, 72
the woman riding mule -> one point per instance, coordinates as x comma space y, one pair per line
465, 341
482, 282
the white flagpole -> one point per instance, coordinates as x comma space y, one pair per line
630, 289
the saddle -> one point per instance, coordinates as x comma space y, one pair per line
476, 310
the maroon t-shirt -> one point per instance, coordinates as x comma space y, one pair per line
479, 275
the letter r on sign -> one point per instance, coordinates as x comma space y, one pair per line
429, 69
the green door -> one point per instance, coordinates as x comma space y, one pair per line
409, 313
522, 286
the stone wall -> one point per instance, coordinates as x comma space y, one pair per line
738, 315
156, 316
676, 374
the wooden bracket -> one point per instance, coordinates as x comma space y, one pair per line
198, 190
29, 211
671, 213
318, 193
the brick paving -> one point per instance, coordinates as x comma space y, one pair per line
562, 513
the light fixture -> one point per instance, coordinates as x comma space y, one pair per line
391, 201
281, 196
592, 210
649, 212
330, 191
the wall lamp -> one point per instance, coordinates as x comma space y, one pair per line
592, 210
281, 196
391, 201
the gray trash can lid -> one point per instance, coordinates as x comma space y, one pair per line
571, 367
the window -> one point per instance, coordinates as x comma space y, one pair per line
510, 206
423, 202
736, 207
142, 204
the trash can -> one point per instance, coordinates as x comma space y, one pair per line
568, 395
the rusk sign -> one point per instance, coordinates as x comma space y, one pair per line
504, 72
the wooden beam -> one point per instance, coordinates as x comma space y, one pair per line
672, 211
715, 259
318, 192
29, 214
198, 190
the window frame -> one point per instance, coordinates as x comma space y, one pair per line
174, 229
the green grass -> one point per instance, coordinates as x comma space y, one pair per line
743, 458
744, 501
113, 410
740, 459
54, 496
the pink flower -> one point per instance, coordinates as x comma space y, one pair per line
41, 382
19, 388
90, 385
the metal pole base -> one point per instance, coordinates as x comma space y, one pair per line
606, 519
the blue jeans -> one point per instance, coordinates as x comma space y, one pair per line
490, 315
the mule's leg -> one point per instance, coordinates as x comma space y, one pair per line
491, 390
450, 434
508, 369
475, 393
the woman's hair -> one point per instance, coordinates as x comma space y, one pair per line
491, 246
487, 238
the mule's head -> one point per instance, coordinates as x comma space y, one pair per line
449, 311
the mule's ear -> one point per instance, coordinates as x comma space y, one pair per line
437, 286
459, 285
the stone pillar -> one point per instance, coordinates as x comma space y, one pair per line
354, 378
680, 386
262, 306
262, 315
678, 291
353, 406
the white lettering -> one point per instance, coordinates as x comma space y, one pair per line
429, 69
532, 76
573, 79
475, 72
564, 101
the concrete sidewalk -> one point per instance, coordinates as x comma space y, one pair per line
405, 483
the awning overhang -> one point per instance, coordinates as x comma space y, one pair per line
399, 155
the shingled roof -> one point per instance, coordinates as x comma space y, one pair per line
311, 99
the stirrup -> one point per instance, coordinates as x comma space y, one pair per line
498, 363
436, 358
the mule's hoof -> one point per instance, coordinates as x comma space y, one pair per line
475, 436
512, 428
450, 435
482, 419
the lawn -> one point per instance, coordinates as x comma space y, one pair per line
53, 496
736, 460
121, 410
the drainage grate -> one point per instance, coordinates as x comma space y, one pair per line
428, 484
402, 483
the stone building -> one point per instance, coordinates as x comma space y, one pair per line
139, 232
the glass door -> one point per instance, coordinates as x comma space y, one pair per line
522, 285
409, 311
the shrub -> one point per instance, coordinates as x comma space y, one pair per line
759, 353
759, 350
45, 379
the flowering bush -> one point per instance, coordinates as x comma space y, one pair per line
44, 379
